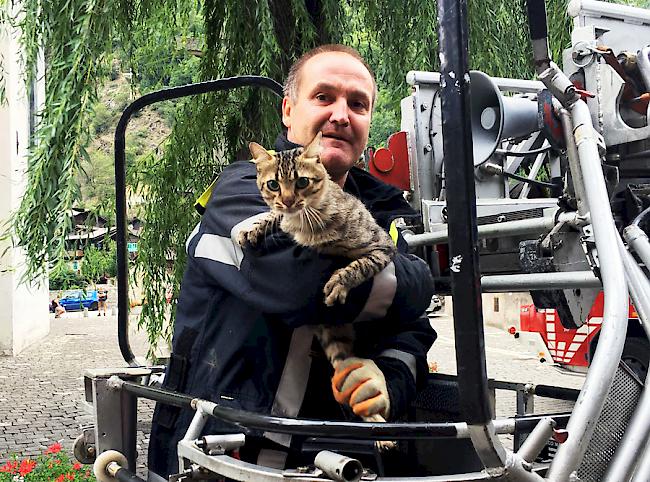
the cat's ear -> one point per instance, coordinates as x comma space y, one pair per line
259, 153
313, 149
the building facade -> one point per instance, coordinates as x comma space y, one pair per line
24, 314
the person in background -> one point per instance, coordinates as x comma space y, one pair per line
102, 298
56, 308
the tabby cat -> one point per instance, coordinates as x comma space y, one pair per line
318, 214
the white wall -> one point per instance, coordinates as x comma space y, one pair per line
24, 316
509, 305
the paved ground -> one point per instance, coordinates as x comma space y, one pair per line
41, 390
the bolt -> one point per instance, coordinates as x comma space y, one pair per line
424, 106
90, 450
427, 148
501, 218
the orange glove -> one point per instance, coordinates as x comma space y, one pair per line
361, 384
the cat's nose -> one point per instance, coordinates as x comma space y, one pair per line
288, 201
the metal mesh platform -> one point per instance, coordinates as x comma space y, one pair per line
619, 407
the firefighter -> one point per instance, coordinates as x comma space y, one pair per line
243, 336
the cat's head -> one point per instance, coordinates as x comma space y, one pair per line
291, 180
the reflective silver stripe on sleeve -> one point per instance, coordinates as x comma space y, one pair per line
293, 382
192, 234
225, 249
273, 459
381, 296
407, 358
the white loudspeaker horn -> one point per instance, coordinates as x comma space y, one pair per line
496, 117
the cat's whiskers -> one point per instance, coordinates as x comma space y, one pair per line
317, 216
305, 214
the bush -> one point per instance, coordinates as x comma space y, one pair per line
65, 279
98, 261
104, 118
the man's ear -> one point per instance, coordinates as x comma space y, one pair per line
286, 111
313, 149
258, 152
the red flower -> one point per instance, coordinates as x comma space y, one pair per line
26, 466
60, 478
55, 448
57, 462
76, 466
70, 476
10, 467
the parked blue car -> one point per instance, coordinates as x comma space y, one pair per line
75, 300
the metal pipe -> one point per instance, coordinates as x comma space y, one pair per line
496, 230
339, 467
638, 286
509, 85
614, 327
453, 38
638, 240
642, 473
203, 411
539, 281
593, 8
574, 162
537, 439
124, 475
637, 220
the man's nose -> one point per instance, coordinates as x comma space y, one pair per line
339, 113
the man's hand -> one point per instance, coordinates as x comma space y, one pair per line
361, 384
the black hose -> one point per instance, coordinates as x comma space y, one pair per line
529, 181
537, 19
536, 10
158, 394
523, 153
635, 155
123, 475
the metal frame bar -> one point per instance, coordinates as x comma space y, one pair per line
539, 281
614, 327
120, 182
463, 235
506, 228
237, 470
642, 473
509, 85
320, 428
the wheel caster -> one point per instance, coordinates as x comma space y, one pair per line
100, 467
83, 451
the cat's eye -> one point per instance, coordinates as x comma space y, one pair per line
273, 185
302, 182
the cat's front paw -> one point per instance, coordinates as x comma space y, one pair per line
335, 291
248, 238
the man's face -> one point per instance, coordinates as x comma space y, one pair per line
335, 94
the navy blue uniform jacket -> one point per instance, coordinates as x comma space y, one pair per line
244, 328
